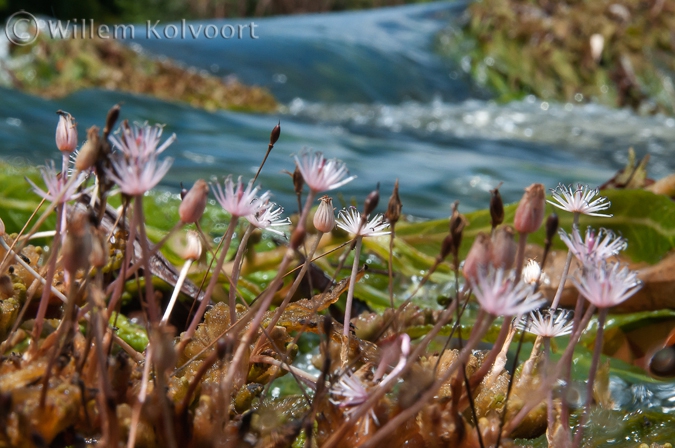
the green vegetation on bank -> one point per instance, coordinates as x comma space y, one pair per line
56, 68
618, 53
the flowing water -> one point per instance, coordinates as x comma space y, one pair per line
369, 88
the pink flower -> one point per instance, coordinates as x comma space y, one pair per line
141, 141
501, 296
58, 187
239, 202
135, 177
268, 216
321, 174
595, 247
66, 132
607, 285
580, 200
549, 324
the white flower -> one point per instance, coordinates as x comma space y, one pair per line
607, 285
350, 393
141, 141
501, 296
595, 247
268, 216
579, 200
531, 272
549, 324
58, 186
239, 202
321, 174
135, 177
349, 220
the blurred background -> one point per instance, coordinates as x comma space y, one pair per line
451, 97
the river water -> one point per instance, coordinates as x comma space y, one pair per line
369, 88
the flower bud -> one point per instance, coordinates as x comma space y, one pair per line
446, 247
457, 223
394, 207
496, 207
478, 257
89, 152
551, 227
531, 272
2, 228
111, 119
530, 211
298, 236
370, 204
66, 132
504, 248
324, 218
193, 248
274, 135
194, 203
298, 181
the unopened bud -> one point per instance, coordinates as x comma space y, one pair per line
298, 236
66, 132
298, 181
394, 207
193, 247
531, 272
530, 211
324, 218
551, 227
89, 152
370, 204
457, 223
274, 135
2, 228
478, 258
77, 244
496, 207
504, 248
194, 203
446, 247
111, 119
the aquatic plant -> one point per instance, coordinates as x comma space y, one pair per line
204, 358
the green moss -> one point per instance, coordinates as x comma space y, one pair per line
56, 68
541, 47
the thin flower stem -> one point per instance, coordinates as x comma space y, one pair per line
136, 411
597, 351
212, 284
262, 304
566, 269
153, 309
49, 278
520, 255
392, 235
296, 283
236, 269
176, 291
350, 299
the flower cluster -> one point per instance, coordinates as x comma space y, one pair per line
137, 169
